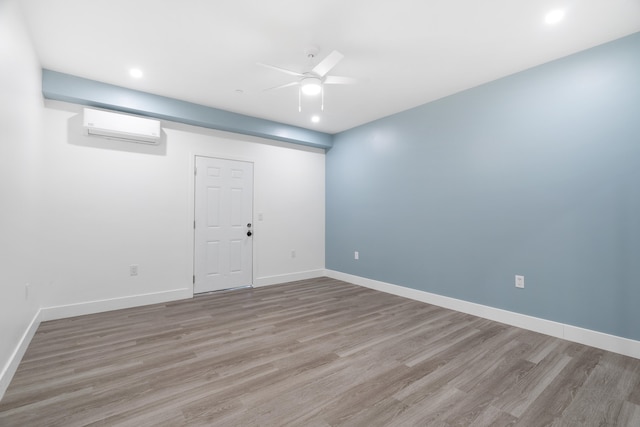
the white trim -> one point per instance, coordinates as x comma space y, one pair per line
91, 307
588, 337
79, 309
12, 364
284, 278
616, 344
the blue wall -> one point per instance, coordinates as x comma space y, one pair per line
536, 174
68, 88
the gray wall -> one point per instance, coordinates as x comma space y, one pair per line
536, 174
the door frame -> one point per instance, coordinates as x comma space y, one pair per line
192, 213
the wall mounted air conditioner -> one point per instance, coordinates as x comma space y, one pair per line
122, 127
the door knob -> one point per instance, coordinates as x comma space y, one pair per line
249, 233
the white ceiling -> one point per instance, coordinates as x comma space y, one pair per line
404, 52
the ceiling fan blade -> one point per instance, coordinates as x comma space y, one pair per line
340, 80
327, 63
282, 70
282, 86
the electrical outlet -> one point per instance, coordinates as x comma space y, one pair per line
356, 255
133, 270
519, 281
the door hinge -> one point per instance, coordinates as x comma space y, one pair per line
194, 225
195, 171
194, 279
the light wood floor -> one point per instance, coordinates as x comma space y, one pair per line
312, 353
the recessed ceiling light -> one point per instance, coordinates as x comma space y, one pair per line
554, 16
315, 119
136, 73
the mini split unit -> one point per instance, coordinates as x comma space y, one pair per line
121, 127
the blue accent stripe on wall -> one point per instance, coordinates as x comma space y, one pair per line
68, 88
535, 174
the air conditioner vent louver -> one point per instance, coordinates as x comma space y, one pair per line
122, 127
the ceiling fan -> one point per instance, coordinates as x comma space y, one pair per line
312, 82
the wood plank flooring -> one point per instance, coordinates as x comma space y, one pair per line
312, 353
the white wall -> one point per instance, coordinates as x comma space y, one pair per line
20, 137
110, 204
75, 211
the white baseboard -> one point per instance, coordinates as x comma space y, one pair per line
71, 310
613, 343
588, 337
91, 307
284, 278
12, 365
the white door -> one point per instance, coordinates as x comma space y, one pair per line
223, 224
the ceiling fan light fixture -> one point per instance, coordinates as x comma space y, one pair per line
311, 86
